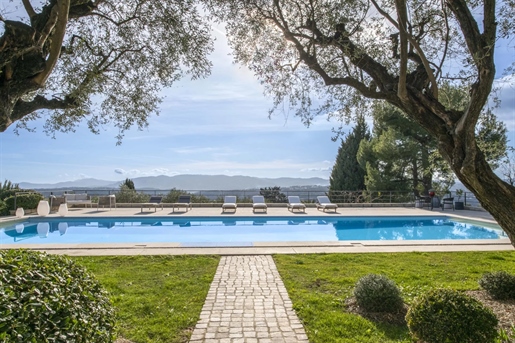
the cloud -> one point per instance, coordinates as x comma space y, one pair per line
315, 169
151, 172
73, 177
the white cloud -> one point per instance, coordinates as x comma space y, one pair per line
315, 169
119, 171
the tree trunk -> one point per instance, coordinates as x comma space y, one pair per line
495, 195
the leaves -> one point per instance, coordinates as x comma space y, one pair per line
115, 59
49, 298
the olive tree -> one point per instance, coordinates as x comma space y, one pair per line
97, 61
337, 56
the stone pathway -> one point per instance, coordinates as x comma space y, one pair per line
248, 303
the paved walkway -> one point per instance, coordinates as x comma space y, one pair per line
248, 303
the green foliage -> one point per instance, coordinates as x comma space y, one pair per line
174, 194
401, 155
449, 316
347, 174
8, 185
26, 200
459, 194
102, 45
4, 209
492, 139
499, 285
128, 183
49, 298
506, 336
377, 293
8, 188
507, 167
273, 195
127, 195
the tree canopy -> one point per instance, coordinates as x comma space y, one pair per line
97, 61
347, 174
335, 56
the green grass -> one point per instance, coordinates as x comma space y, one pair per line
157, 298
319, 284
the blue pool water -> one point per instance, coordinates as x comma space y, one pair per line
241, 230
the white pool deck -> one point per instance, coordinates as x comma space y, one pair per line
265, 248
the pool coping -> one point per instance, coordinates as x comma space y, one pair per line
259, 248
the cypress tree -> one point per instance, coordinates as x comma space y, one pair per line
347, 174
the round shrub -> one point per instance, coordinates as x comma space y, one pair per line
449, 316
377, 293
499, 285
49, 298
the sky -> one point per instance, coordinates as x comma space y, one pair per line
217, 125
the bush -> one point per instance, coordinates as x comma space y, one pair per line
377, 293
49, 298
27, 201
4, 210
128, 196
499, 285
449, 316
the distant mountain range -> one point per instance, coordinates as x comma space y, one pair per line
185, 182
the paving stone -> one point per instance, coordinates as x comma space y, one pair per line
248, 303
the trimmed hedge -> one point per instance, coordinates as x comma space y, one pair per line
27, 201
449, 316
49, 298
499, 285
377, 293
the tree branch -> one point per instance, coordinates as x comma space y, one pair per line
412, 40
23, 108
402, 92
481, 48
62, 7
29, 9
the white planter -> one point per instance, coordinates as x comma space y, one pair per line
43, 229
43, 208
20, 212
63, 210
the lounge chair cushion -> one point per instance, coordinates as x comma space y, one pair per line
259, 203
294, 203
229, 203
324, 203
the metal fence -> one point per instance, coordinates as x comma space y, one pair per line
307, 196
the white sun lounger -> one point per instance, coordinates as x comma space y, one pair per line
294, 203
324, 203
229, 203
258, 203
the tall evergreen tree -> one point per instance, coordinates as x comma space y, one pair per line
347, 174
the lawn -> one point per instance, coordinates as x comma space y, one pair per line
318, 286
158, 298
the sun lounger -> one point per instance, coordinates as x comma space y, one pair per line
447, 203
229, 203
258, 203
154, 202
294, 203
108, 200
324, 203
184, 201
78, 199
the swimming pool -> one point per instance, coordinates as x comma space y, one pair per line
241, 231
